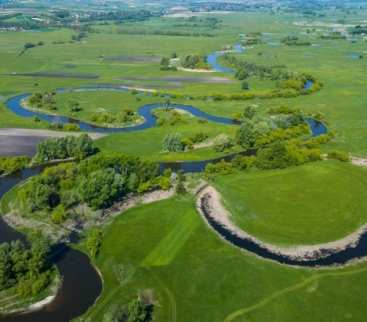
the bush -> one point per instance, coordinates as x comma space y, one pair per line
58, 215
338, 155
71, 127
244, 162
219, 168
12, 164
94, 242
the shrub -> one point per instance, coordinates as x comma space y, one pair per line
58, 215
12, 164
338, 155
244, 162
94, 242
71, 127
221, 168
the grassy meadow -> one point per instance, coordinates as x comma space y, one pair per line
195, 276
165, 248
310, 204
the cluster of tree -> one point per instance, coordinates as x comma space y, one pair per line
245, 70
166, 64
76, 147
139, 31
358, 30
126, 116
334, 35
291, 87
27, 268
67, 127
256, 131
12, 164
20, 21
44, 100
138, 310
174, 142
278, 155
169, 116
120, 16
227, 167
97, 181
295, 41
221, 6
195, 62
253, 38
30, 45
198, 22
283, 154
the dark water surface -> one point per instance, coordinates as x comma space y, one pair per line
328, 259
81, 283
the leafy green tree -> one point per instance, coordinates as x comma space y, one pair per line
100, 188
245, 85
173, 143
94, 242
249, 112
137, 311
74, 107
246, 134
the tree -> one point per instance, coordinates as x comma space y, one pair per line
249, 112
101, 187
94, 242
246, 134
74, 106
180, 187
245, 85
173, 143
137, 311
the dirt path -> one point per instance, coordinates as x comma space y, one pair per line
209, 200
362, 162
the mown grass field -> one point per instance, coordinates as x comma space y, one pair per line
310, 204
166, 248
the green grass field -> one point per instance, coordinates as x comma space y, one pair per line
310, 204
341, 100
195, 276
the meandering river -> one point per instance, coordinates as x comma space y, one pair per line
81, 284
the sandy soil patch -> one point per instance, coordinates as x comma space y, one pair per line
362, 162
195, 70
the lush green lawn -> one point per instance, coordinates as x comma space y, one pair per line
195, 276
310, 204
